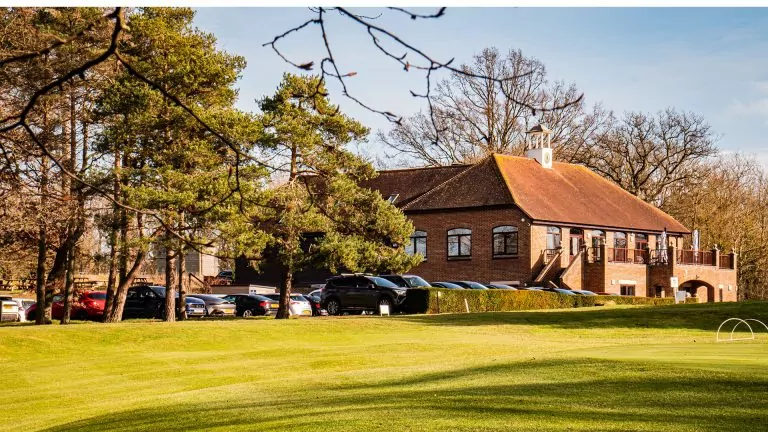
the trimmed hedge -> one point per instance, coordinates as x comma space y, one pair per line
425, 300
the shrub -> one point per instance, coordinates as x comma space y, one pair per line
427, 300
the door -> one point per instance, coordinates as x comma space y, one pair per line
364, 293
132, 304
577, 241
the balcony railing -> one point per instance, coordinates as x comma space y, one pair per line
631, 256
726, 262
693, 257
550, 254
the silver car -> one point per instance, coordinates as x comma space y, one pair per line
299, 306
216, 306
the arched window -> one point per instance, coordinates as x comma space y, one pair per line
417, 244
553, 237
505, 240
620, 240
460, 242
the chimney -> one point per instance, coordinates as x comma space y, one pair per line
538, 145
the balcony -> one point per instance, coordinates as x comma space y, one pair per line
627, 256
695, 257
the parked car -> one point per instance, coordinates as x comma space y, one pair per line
195, 307
24, 304
470, 285
298, 304
317, 307
584, 292
87, 305
356, 293
559, 291
446, 285
215, 306
529, 288
226, 274
607, 294
501, 286
148, 301
406, 281
248, 305
9, 311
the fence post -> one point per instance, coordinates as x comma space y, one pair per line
716, 257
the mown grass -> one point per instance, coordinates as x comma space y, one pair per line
607, 369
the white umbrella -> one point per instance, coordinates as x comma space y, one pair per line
662, 247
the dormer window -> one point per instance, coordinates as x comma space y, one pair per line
392, 198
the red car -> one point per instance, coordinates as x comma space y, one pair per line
89, 305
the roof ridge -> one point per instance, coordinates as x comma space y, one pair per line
425, 168
439, 186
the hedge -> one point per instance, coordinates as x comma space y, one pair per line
426, 300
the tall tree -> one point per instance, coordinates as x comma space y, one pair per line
487, 106
317, 213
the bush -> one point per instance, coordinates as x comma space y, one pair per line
426, 300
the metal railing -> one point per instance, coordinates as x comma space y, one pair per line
726, 262
624, 255
658, 257
550, 254
693, 257
594, 255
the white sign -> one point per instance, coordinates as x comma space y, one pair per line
680, 296
673, 282
383, 309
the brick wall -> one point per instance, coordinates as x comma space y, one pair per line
617, 274
481, 267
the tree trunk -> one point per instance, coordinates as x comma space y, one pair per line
284, 311
181, 308
41, 317
109, 304
68, 287
170, 283
116, 313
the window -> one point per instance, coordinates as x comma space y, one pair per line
641, 241
553, 237
505, 240
628, 290
620, 240
597, 237
417, 244
460, 242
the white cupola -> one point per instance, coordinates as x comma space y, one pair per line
538, 145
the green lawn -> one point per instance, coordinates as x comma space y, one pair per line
597, 369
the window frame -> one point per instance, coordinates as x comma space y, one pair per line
556, 233
459, 234
506, 237
412, 246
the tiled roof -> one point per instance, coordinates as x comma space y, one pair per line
574, 194
411, 183
567, 193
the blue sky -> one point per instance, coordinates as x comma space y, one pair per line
712, 61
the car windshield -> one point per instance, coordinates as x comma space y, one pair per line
416, 281
382, 282
449, 285
159, 290
298, 297
98, 296
474, 285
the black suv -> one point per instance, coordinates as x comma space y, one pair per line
406, 280
360, 293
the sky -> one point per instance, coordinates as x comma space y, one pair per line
711, 61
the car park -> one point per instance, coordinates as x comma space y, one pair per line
248, 305
298, 304
360, 293
500, 286
584, 292
446, 285
87, 305
529, 288
215, 306
406, 280
470, 285
148, 301
559, 291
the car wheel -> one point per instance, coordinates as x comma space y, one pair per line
81, 316
247, 313
384, 301
333, 307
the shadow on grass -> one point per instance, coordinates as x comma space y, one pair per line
538, 395
706, 316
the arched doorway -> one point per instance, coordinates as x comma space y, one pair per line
700, 290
